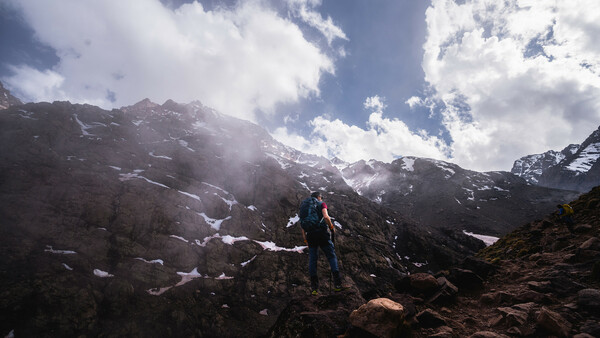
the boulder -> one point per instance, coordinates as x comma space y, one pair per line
589, 299
447, 292
553, 323
466, 280
429, 318
481, 267
591, 244
424, 282
514, 317
381, 317
582, 228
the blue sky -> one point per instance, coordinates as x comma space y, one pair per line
477, 83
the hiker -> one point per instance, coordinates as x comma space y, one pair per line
315, 220
564, 212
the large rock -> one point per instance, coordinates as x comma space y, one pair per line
447, 292
381, 317
591, 244
429, 318
589, 299
553, 323
424, 282
466, 280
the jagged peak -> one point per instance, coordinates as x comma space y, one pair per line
145, 103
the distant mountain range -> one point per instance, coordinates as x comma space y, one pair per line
574, 168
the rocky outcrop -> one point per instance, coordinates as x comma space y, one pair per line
7, 99
577, 167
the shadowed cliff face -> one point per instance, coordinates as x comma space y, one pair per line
176, 220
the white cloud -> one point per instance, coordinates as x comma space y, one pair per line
303, 9
516, 77
235, 60
383, 139
375, 102
414, 101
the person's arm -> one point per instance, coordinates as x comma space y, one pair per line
328, 220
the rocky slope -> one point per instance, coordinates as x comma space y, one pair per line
540, 280
447, 196
174, 220
577, 167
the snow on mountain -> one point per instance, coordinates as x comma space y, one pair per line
574, 168
444, 195
531, 167
586, 159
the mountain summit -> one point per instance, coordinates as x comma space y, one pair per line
577, 167
7, 99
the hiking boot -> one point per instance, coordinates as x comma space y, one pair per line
337, 282
314, 284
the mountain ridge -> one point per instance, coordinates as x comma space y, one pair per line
173, 214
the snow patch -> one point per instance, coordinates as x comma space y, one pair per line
586, 159
196, 197
154, 261
293, 221
408, 164
159, 156
62, 252
214, 223
102, 274
488, 240
273, 247
248, 261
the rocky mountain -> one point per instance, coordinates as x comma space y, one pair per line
175, 220
447, 196
531, 167
575, 168
7, 99
541, 280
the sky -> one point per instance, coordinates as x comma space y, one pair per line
479, 83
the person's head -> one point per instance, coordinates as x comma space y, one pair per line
317, 195
559, 206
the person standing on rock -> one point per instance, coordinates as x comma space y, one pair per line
315, 220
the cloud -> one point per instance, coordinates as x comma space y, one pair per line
383, 139
115, 53
304, 10
375, 102
514, 77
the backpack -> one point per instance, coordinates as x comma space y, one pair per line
309, 215
568, 209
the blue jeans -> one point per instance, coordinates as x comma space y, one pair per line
313, 256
